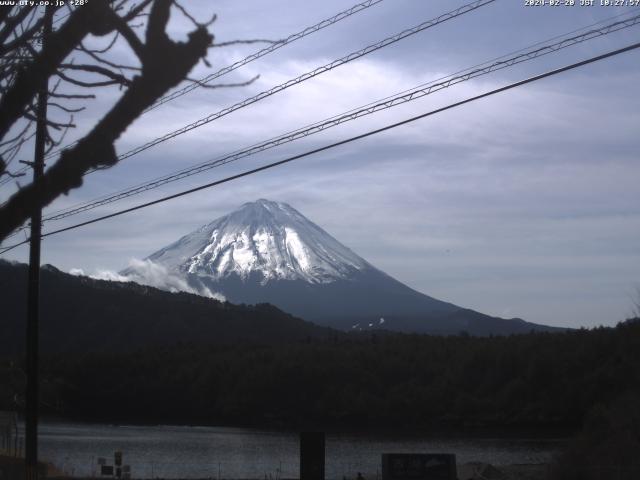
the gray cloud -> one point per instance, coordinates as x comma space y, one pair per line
525, 204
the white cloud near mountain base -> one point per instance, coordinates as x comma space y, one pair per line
146, 272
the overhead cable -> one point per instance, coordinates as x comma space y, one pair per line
469, 7
306, 76
265, 51
389, 102
342, 142
254, 56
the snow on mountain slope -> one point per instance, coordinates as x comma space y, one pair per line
269, 238
267, 252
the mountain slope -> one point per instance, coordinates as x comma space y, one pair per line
83, 314
269, 252
264, 237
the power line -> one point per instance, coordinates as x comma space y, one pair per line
330, 66
403, 97
504, 57
498, 63
23, 170
308, 75
265, 51
20, 172
254, 56
342, 142
389, 102
469, 7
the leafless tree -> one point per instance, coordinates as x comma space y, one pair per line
66, 59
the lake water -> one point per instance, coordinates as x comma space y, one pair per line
216, 452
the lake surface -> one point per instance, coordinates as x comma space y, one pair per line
217, 452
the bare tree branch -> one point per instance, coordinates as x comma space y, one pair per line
50, 123
72, 96
104, 61
18, 136
223, 85
82, 83
116, 77
187, 14
65, 109
130, 36
56, 143
193, 20
135, 11
22, 39
61, 43
165, 64
12, 22
102, 50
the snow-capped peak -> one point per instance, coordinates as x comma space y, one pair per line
268, 238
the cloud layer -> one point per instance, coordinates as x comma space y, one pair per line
146, 272
524, 204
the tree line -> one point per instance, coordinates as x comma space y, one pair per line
355, 381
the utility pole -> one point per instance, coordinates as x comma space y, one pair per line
33, 295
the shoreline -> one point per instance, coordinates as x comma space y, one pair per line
541, 432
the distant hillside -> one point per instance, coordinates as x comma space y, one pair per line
362, 381
80, 313
124, 352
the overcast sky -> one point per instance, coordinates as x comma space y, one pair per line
525, 204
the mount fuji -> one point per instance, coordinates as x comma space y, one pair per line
268, 252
